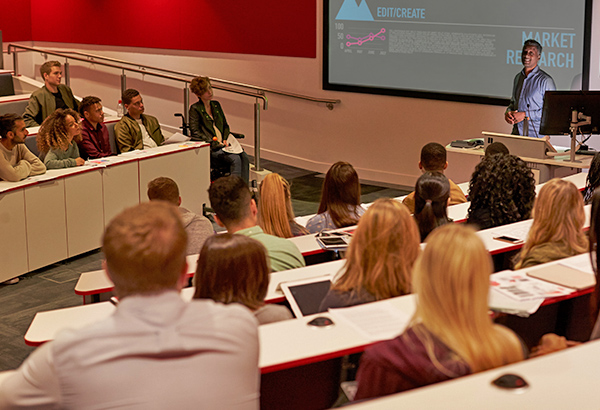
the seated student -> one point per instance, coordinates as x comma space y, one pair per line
57, 139
451, 333
235, 209
557, 229
198, 227
380, 257
501, 191
275, 213
551, 342
16, 161
208, 123
432, 193
592, 180
235, 269
156, 351
94, 142
136, 130
433, 159
340, 200
595, 257
50, 97
496, 148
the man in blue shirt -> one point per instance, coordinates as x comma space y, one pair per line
529, 88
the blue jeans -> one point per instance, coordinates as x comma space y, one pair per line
238, 163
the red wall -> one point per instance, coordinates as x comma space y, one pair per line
15, 20
268, 27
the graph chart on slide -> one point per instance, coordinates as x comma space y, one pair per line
358, 41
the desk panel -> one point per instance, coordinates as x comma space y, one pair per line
121, 188
13, 252
85, 212
190, 169
46, 220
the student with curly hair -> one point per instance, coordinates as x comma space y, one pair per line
557, 230
57, 139
379, 259
501, 191
275, 213
234, 269
432, 193
340, 200
451, 333
593, 179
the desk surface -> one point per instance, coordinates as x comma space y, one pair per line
97, 281
283, 344
562, 380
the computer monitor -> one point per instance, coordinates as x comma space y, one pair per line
558, 108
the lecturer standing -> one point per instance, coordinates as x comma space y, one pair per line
529, 88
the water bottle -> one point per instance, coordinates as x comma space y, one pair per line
120, 109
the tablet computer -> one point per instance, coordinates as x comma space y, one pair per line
305, 296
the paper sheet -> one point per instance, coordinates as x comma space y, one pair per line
519, 232
375, 321
580, 262
234, 146
176, 138
520, 287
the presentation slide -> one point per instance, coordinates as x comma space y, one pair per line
452, 47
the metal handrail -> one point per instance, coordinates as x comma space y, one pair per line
329, 102
258, 94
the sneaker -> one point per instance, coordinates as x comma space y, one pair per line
11, 281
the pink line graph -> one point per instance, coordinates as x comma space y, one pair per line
361, 40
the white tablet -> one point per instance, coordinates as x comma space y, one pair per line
305, 296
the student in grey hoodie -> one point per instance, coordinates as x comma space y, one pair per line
197, 227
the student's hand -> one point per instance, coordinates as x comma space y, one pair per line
79, 161
225, 143
550, 343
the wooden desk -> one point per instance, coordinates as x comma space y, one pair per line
562, 380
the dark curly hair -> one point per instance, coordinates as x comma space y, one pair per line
592, 180
502, 188
53, 131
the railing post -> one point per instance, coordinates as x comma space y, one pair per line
67, 73
123, 83
257, 166
186, 103
15, 61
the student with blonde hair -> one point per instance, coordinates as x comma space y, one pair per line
557, 230
379, 259
451, 333
275, 213
234, 269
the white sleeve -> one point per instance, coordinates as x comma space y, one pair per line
34, 384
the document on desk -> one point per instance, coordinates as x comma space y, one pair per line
519, 286
375, 321
518, 231
176, 139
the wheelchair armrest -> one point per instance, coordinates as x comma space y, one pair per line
238, 135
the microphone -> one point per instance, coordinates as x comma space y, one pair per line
528, 116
